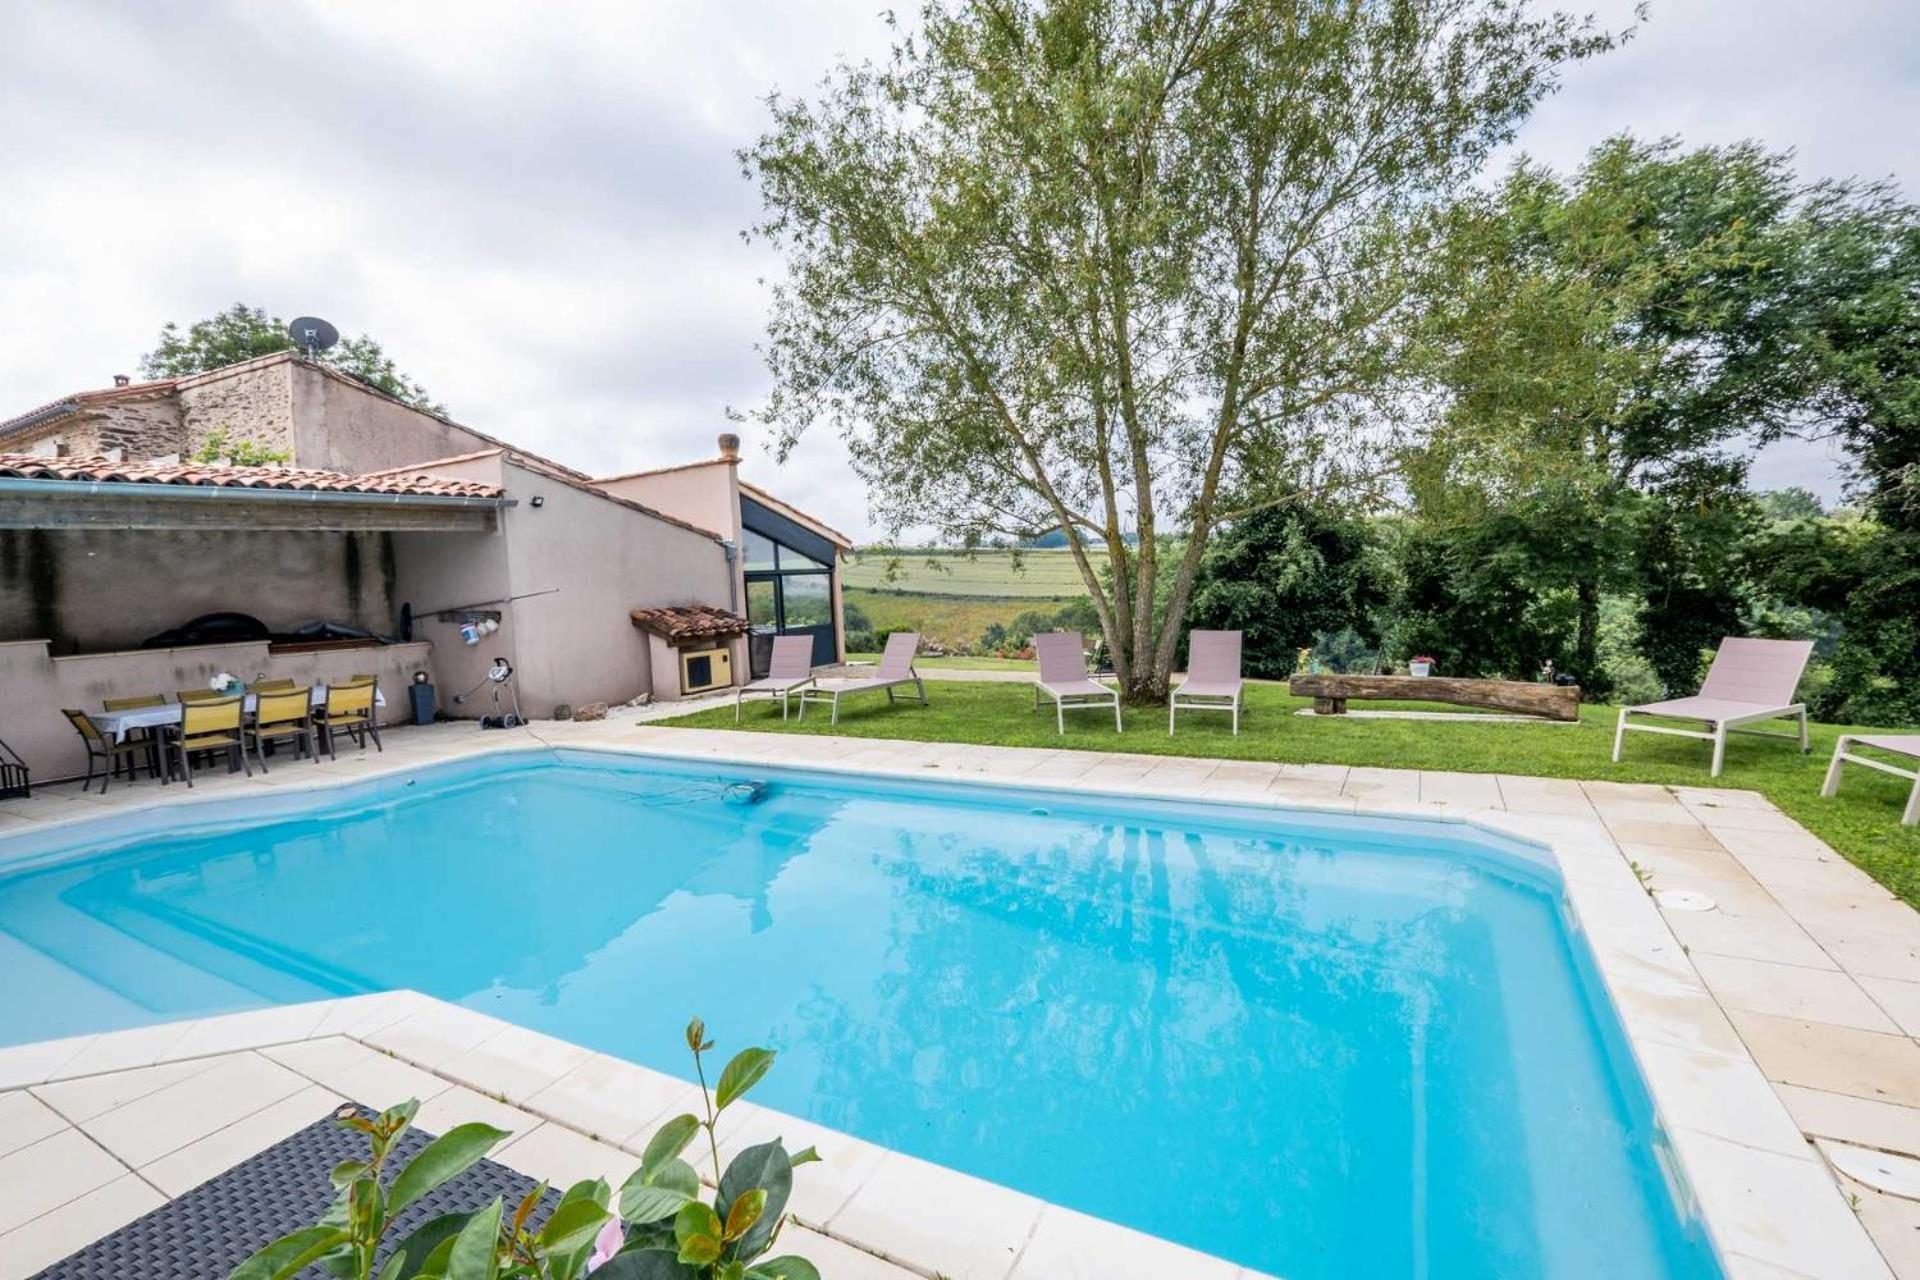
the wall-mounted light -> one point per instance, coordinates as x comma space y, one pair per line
536, 501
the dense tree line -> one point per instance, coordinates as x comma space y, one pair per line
1604, 351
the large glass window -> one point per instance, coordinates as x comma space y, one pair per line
808, 600
760, 551
788, 592
763, 604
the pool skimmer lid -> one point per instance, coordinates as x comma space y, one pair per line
1683, 900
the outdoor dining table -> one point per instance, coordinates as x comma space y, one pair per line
115, 724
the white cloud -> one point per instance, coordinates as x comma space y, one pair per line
536, 208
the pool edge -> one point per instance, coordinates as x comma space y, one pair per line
1760, 1199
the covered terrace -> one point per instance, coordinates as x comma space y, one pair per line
101, 560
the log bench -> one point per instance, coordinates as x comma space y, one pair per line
1549, 701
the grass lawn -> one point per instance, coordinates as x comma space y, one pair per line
1862, 822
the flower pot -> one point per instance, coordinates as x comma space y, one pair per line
1419, 668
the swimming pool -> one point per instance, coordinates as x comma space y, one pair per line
1317, 1046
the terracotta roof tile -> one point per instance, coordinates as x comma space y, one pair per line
689, 622
28, 466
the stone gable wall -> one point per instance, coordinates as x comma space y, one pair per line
140, 429
255, 405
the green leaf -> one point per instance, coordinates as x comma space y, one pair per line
645, 1200
693, 1220
430, 1235
700, 1250
291, 1254
696, 1229
733, 1269
740, 1075
345, 1172
594, 1189
475, 1254
744, 1212
767, 1167
645, 1264
573, 1224
783, 1268
669, 1141
447, 1156
392, 1270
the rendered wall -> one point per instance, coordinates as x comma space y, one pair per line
599, 560
338, 426
707, 495
436, 571
35, 685
88, 590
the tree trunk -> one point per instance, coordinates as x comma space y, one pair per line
1586, 642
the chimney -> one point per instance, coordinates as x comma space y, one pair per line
729, 447
121, 380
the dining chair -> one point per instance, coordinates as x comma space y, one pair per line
280, 715
210, 724
349, 706
102, 750
144, 735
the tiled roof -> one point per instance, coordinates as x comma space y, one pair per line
786, 508
28, 466
689, 622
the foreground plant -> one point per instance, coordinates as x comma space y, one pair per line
662, 1229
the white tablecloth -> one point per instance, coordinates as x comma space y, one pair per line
116, 723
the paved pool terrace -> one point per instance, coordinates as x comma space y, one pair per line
1776, 1030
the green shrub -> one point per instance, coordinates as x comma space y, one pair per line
666, 1230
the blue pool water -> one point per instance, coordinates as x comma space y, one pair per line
1321, 1048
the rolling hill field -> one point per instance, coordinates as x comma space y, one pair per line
951, 598
1049, 574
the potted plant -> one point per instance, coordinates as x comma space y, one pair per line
1419, 665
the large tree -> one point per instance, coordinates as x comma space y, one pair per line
1126, 268
242, 332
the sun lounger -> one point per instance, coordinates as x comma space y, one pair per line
788, 672
1063, 677
1750, 681
896, 670
1213, 677
1899, 744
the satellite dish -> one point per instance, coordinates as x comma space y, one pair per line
311, 334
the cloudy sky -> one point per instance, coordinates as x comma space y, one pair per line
535, 207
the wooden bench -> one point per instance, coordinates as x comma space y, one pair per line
1549, 701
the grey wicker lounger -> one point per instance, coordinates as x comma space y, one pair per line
896, 670
213, 1228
